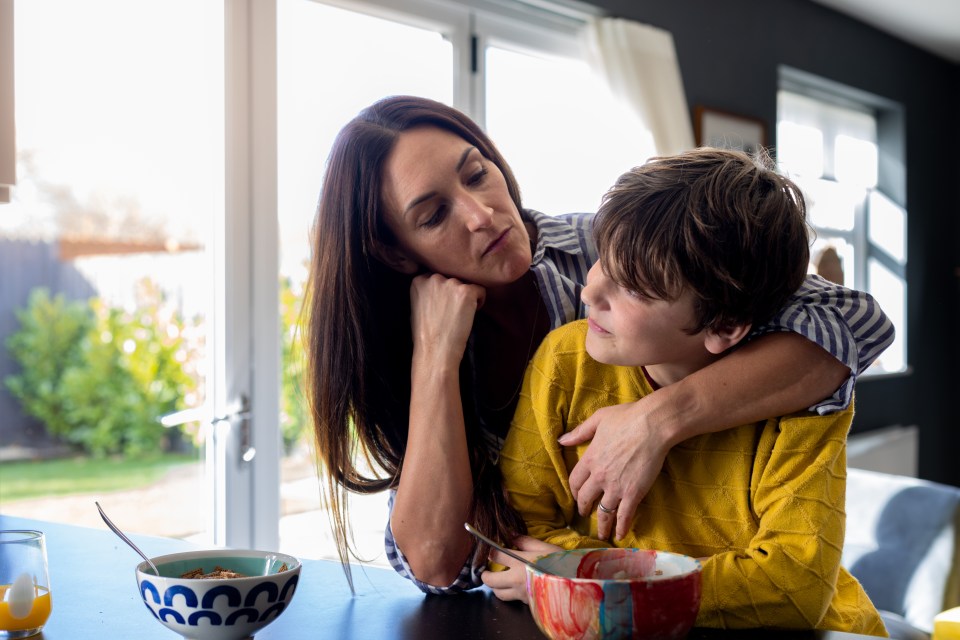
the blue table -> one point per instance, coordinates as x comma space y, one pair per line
95, 597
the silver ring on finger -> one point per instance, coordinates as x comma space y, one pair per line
605, 509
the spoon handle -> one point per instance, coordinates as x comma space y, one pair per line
472, 530
123, 537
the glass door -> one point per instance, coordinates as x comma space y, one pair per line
108, 252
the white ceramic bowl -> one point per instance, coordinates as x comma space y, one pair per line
218, 608
614, 593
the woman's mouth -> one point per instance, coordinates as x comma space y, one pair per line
495, 246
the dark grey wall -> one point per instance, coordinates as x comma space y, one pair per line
729, 53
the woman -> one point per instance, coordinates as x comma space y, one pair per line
431, 287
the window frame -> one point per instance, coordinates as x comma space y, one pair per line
891, 181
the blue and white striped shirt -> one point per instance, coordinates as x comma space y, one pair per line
849, 324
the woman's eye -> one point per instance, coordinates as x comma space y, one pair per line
436, 217
477, 177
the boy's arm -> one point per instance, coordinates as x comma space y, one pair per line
816, 346
787, 575
532, 461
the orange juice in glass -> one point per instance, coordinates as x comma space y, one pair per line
24, 584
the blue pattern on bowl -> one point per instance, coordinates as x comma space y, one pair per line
190, 600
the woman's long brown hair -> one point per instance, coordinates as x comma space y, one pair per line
357, 332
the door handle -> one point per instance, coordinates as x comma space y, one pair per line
203, 414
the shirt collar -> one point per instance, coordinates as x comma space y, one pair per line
552, 233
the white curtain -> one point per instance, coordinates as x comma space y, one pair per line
639, 63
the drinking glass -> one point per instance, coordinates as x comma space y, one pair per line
24, 584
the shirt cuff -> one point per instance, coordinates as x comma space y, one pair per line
468, 578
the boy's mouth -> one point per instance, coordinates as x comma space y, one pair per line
591, 323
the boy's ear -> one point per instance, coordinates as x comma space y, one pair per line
719, 340
397, 259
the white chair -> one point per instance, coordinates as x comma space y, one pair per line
902, 545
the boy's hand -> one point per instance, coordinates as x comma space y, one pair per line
619, 466
512, 583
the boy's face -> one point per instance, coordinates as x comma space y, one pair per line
628, 329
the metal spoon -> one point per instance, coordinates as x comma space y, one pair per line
117, 531
515, 556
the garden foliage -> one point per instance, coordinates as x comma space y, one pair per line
99, 377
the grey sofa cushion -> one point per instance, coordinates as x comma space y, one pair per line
901, 543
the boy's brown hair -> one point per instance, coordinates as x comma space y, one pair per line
720, 223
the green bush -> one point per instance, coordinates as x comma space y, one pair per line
99, 377
47, 346
293, 410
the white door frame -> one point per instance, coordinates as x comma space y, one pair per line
244, 459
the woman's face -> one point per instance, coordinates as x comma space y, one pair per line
449, 208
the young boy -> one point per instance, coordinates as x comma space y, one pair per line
694, 250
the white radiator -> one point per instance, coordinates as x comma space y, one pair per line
889, 449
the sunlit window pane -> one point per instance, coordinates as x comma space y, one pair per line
331, 64
888, 226
833, 258
890, 292
856, 161
800, 149
835, 142
830, 204
600, 138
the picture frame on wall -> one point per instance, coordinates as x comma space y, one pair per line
726, 130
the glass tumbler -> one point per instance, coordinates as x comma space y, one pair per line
24, 584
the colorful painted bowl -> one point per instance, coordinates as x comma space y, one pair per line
614, 593
219, 608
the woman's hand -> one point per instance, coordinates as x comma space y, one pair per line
619, 466
511, 584
442, 313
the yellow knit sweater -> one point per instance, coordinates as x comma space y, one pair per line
764, 502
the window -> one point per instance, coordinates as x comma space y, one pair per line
830, 143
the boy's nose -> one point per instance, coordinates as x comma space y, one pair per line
591, 290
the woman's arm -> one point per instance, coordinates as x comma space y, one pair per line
827, 336
772, 375
435, 493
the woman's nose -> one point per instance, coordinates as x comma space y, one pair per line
478, 215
